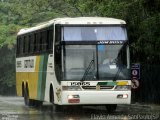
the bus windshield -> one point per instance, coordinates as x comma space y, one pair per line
95, 62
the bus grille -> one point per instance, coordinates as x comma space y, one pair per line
95, 88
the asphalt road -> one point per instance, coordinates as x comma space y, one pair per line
13, 108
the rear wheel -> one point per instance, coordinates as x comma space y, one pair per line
27, 101
25, 97
38, 103
111, 107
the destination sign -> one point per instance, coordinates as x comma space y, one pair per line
111, 42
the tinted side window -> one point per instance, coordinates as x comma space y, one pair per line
44, 40
31, 43
50, 39
26, 44
40, 42
36, 44
18, 46
21, 45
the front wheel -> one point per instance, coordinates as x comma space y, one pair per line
111, 107
37, 103
58, 108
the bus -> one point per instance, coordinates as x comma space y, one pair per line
74, 61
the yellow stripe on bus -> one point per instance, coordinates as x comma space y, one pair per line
122, 83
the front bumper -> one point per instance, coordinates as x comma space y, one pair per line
96, 97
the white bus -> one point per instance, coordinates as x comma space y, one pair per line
74, 61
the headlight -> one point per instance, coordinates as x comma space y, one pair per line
122, 96
123, 87
71, 88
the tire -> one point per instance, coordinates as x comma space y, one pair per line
25, 98
37, 103
58, 108
51, 94
27, 101
111, 108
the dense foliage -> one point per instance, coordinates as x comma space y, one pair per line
142, 17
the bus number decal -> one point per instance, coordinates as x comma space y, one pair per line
80, 83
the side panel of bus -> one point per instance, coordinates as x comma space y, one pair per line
33, 77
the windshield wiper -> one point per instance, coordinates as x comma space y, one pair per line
87, 70
117, 74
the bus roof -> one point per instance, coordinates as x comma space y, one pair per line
74, 21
